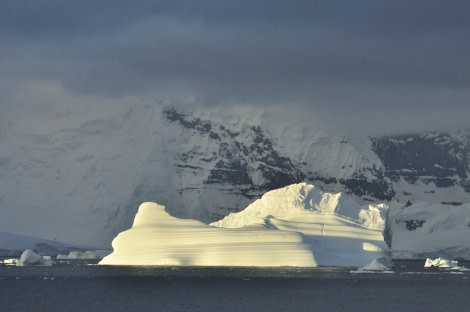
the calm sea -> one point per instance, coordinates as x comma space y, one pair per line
83, 286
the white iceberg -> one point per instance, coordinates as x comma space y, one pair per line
156, 238
294, 226
444, 263
10, 261
74, 255
30, 258
376, 265
440, 263
339, 231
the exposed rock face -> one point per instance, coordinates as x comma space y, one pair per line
247, 158
440, 157
242, 164
221, 169
430, 166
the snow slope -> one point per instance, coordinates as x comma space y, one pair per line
65, 175
297, 226
424, 230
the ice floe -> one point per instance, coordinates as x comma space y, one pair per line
444, 263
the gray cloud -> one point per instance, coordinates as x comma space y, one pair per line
360, 65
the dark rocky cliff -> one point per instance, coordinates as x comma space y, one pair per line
238, 165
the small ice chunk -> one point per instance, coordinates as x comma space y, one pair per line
376, 265
29, 257
10, 261
440, 263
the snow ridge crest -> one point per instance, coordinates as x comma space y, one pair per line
296, 199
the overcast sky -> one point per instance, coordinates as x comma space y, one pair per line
362, 65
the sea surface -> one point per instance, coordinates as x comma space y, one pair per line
85, 286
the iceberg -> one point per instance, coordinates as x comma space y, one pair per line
156, 238
444, 263
339, 231
376, 265
440, 263
73, 255
295, 226
30, 258
11, 261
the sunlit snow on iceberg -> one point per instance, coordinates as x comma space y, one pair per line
298, 225
444, 263
157, 238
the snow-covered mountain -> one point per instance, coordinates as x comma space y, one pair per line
431, 167
433, 230
79, 175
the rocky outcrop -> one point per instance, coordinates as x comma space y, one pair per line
421, 166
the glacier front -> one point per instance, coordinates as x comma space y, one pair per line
295, 226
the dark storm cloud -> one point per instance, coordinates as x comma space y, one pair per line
354, 61
30, 18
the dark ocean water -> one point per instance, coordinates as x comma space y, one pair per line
82, 286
